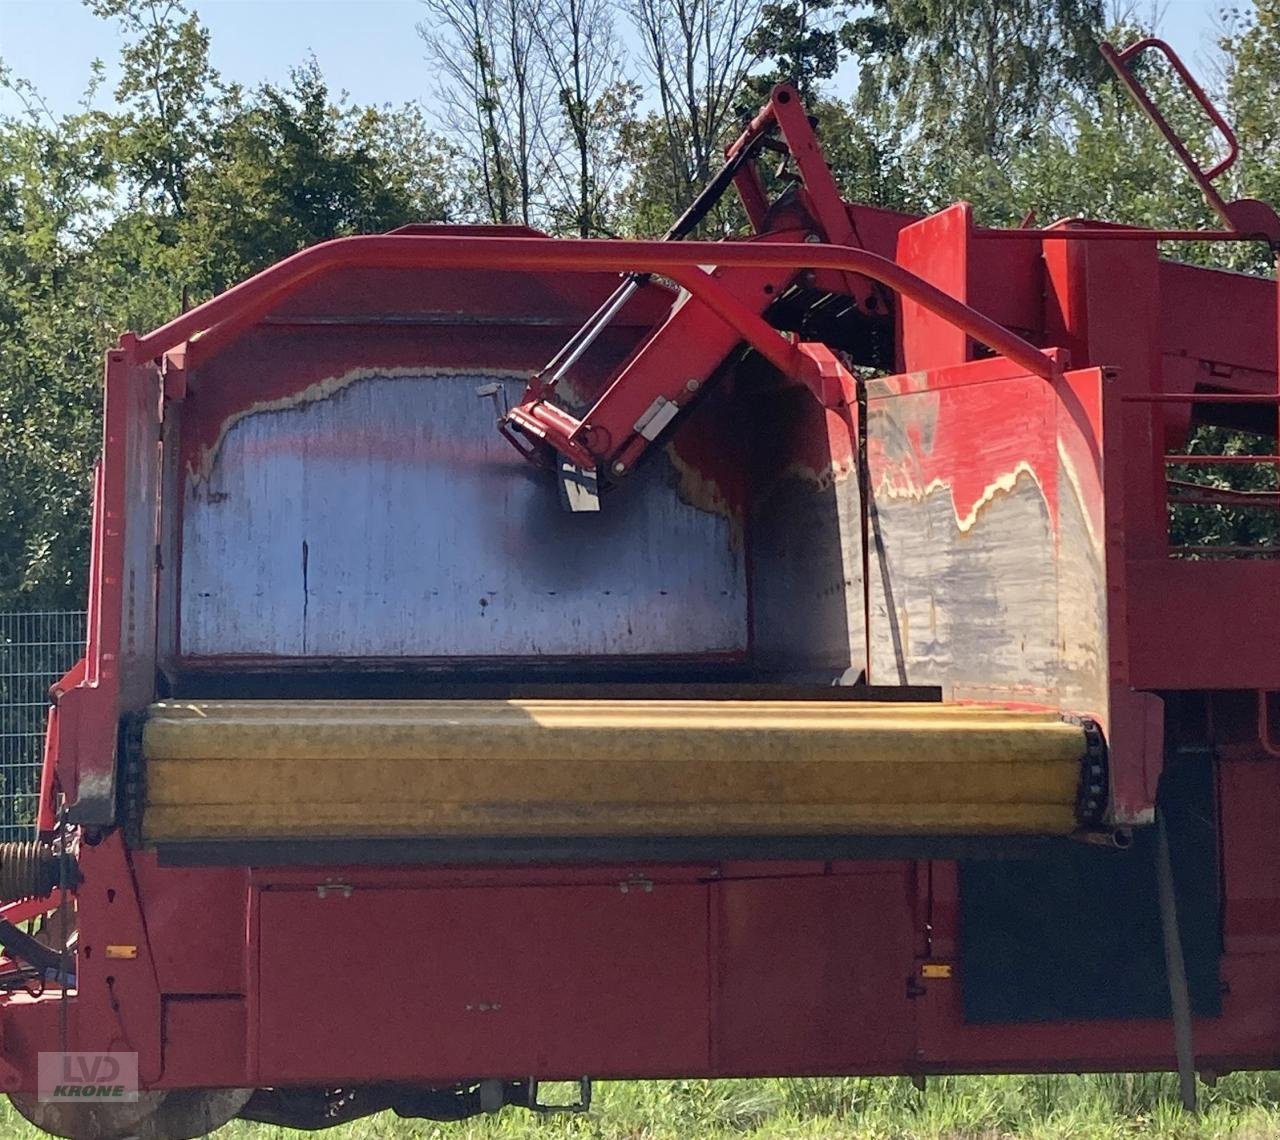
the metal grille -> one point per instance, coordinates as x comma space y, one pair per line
35, 650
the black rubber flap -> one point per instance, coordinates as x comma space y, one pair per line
1074, 933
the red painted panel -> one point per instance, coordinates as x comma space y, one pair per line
456, 984
813, 974
1204, 624
1247, 1029
1249, 798
196, 923
878, 228
117, 1002
204, 1043
1224, 318
937, 249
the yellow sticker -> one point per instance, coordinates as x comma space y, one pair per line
125, 953
935, 970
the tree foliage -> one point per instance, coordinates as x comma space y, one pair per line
976, 75
584, 117
114, 220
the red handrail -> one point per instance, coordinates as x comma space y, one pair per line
220, 319
1245, 216
1119, 61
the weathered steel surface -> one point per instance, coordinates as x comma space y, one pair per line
985, 558
806, 542
141, 445
383, 516
984, 564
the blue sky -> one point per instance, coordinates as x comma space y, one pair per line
367, 47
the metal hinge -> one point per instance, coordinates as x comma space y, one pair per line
334, 886
656, 418
582, 1105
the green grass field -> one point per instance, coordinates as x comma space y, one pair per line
1242, 1106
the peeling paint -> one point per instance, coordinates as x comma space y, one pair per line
1002, 484
705, 493
200, 461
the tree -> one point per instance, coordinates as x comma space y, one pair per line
1252, 48
802, 39
584, 62
696, 55
53, 185
288, 167
495, 91
168, 88
959, 80
863, 158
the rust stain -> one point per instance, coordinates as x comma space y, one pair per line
823, 478
705, 492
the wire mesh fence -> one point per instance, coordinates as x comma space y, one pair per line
35, 650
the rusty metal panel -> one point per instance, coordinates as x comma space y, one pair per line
140, 471
986, 565
383, 516
806, 542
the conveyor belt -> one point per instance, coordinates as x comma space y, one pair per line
284, 770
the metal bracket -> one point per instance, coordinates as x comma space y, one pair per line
656, 417
333, 886
579, 487
583, 1104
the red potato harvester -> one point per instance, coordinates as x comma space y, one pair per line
814, 688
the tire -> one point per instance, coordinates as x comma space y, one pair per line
180, 1114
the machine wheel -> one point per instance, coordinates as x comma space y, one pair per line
181, 1114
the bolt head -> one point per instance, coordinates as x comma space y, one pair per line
619, 468
693, 385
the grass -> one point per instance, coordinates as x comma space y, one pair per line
1243, 1106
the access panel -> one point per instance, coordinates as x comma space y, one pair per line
455, 984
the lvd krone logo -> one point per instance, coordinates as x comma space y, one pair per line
89, 1076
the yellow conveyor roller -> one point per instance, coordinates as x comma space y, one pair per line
271, 770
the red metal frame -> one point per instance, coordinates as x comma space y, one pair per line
1247, 217
241, 305
736, 967
211, 326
